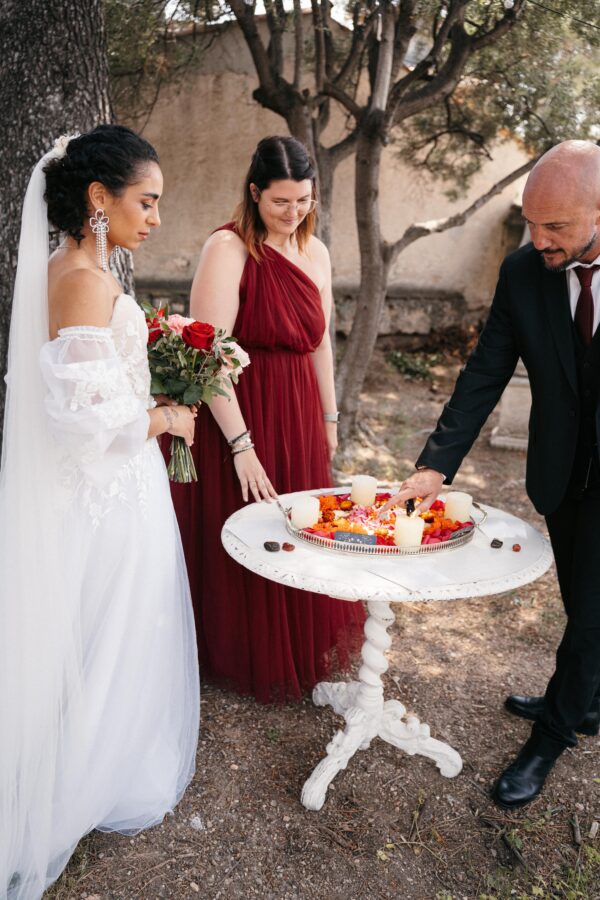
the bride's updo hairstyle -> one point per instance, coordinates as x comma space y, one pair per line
275, 159
110, 154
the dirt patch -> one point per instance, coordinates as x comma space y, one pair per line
392, 826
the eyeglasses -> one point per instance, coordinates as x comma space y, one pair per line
303, 206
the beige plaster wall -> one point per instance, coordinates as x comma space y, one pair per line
205, 132
463, 259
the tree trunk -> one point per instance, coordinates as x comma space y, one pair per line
53, 80
325, 182
373, 282
299, 123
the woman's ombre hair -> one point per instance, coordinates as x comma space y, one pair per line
275, 159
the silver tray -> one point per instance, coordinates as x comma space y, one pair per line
463, 537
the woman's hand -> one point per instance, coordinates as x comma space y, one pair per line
253, 477
180, 422
331, 433
163, 400
425, 483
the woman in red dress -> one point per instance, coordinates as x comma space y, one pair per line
267, 279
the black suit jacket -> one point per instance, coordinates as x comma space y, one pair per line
530, 318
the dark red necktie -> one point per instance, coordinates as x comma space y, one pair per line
584, 312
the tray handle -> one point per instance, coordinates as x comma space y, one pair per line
484, 514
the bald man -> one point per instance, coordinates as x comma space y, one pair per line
545, 310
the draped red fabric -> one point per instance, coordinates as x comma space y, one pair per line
255, 635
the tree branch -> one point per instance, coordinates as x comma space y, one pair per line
405, 31
440, 86
341, 150
276, 23
319, 38
327, 39
244, 15
385, 58
330, 89
298, 45
435, 226
423, 68
360, 36
508, 20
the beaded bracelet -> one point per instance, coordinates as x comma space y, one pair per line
238, 438
249, 446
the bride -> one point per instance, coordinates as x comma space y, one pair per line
99, 697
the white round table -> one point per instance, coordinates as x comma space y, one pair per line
473, 570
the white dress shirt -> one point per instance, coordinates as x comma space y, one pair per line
575, 289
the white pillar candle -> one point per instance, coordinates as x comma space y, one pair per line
305, 512
458, 506
408, 531
364, 490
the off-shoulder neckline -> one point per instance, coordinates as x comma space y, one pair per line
94, 329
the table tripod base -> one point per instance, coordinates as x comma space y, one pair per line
367, 715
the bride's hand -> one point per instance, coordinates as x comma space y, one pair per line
163, 400
252, 476
180, 422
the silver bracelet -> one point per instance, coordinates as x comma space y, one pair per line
244, 434
242, 449
332, 417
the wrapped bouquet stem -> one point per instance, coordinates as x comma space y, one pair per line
190, 362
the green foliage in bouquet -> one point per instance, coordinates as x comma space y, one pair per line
190, 362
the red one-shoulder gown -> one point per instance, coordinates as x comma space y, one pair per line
255, 635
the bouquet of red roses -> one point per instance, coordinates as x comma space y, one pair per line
190, 362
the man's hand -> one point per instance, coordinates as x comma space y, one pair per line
425, 483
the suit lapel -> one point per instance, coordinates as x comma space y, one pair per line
556, 298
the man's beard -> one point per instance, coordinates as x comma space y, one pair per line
576, 257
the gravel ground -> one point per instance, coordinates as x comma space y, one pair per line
392, 826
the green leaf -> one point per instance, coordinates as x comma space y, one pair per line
192, 394
175, 386
157, 386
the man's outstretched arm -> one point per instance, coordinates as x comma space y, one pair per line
477, 391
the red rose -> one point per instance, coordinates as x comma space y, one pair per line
154, 327
199, 335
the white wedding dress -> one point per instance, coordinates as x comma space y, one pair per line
126, 745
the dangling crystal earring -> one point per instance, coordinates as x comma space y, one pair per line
99, 225
115, 256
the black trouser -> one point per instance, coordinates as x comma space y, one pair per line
574, 689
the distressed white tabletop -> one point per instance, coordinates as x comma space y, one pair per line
473, 570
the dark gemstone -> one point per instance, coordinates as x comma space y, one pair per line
272, 546
496, 543
410, 506
288, 547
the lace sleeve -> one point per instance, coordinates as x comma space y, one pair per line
93, 410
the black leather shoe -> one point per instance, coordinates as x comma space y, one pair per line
532, 708
523, 780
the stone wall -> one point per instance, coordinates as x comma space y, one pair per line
409, 312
